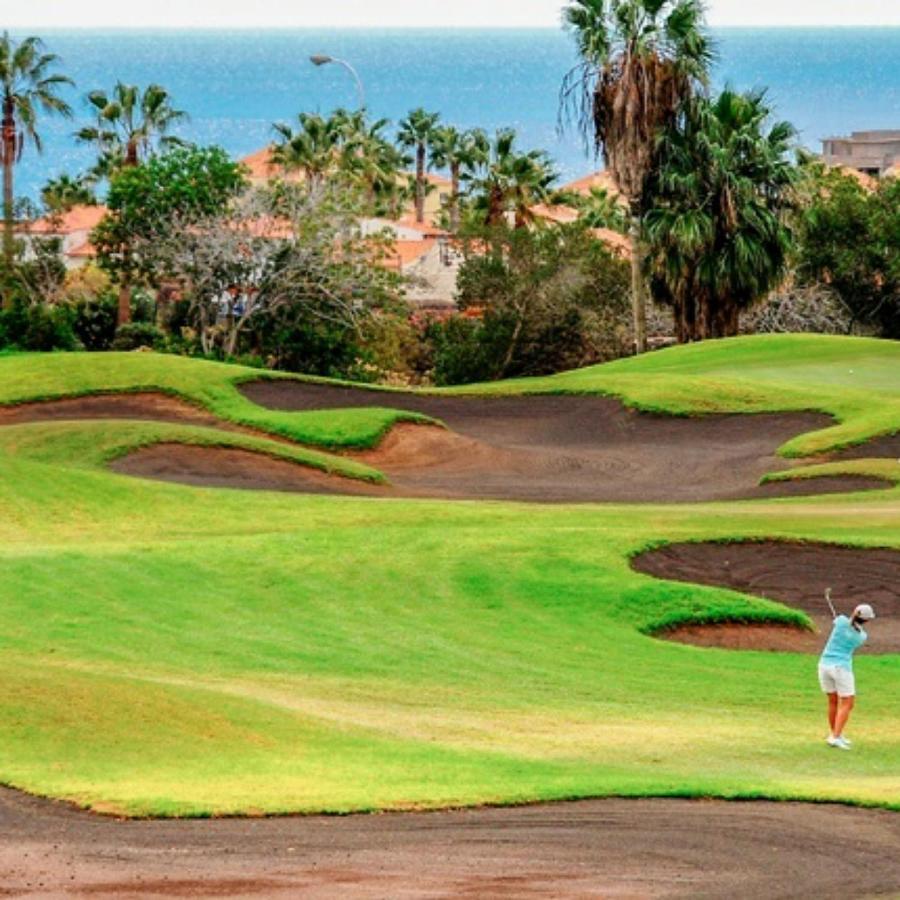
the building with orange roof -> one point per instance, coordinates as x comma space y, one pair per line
595, 181
559, 214
620, 244
260, 167
73, 228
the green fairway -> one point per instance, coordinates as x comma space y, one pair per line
175, 651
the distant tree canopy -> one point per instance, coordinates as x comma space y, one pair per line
546, 299
849, 240
181, 185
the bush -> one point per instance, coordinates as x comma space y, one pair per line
38, 327
548, 300
95, 321
138, 335
468, 350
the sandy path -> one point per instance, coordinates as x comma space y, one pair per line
607, 848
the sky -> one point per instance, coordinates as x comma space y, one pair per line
419, 13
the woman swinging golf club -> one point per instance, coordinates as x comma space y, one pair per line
836, 668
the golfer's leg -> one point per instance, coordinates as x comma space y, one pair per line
832, 711
845, 707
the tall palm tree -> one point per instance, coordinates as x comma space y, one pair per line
314, 149
641, 60
717, 231
130, 123
416, 133
27, 86
510, 182
458, 151
372, 161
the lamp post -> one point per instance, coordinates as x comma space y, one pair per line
321, 59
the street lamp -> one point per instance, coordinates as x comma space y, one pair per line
320, 59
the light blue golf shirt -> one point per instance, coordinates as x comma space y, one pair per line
844, 640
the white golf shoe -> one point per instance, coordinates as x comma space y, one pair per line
839, 743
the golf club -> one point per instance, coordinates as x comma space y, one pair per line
830, 604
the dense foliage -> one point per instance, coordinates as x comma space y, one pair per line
849, 240
544, 300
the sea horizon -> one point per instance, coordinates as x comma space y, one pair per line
236, 82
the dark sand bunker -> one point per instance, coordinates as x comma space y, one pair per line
885, 447
546, 449
794, 574
227, 467
602, 848
568, 448
146, 406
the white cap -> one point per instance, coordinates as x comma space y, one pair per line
864, 612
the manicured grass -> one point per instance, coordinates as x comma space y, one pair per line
175, 651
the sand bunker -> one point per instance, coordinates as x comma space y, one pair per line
794, 574
146, 406
544, 449
227, 467
887, 447
568, 448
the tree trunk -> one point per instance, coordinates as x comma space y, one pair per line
420, 184
8, 151
124, 316
638, 303
454, 197
131, 154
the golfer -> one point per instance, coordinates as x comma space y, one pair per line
836, 670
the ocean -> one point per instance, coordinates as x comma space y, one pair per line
235, 84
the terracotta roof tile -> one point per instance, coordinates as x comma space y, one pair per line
618, 243
562, 215
79, 218
601, 180
83, 251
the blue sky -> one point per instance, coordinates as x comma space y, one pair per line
423, 13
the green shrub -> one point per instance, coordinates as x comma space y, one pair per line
137, 335
468, 350
38, 327
95, 321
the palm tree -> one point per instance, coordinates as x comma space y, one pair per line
512, 183
131, 123
600, 209
59, 195
372, 161
26, 86
314, 148
417, 132
641, 60
717, 231
458, 151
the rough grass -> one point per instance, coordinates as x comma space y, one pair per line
174, 651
